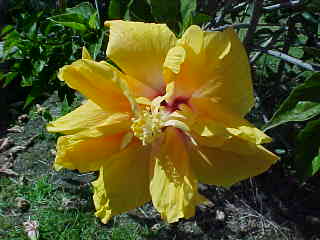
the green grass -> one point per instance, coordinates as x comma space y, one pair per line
57, 219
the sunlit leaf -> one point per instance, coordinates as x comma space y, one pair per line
75, 21
302, 104
94, 21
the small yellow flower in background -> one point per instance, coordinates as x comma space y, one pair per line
172, 117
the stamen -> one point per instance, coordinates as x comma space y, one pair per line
147, 126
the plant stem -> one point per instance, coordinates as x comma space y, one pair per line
290, 59
283, 5
98, 11
256, 14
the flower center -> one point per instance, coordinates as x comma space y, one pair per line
156, 115
147, 126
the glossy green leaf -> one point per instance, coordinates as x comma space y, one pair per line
302, 104
68, 17
307, 157
72, 20
315, 165
94, 21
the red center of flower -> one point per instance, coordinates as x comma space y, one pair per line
174, 104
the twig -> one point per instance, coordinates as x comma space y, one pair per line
256, 14
221, 28
239, 25
267, 44
289, 4
293, 60
98, 10
217, 20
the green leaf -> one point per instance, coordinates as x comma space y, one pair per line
302, 104
8, 78
94, 21
32, 31
73, 20
168, 12
7, 29
187, 9
76, 26
307, 157
68, 17
96, 47
39, 65
310, 17
315, 165
200, 18
117, 8
85, 10
27, 81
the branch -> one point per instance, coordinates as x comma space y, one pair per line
221, 28
289, 4
293, 60
268, 44
238, 26
256, 14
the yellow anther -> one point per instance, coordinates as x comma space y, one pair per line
147, 126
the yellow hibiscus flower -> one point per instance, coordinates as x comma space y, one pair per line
172, 117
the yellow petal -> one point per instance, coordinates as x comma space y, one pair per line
236, 160
234, 124
97, 81
123, 183
139, 49
173, 186
210, 133
86, 154
86, 116
215, 66
172, 65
